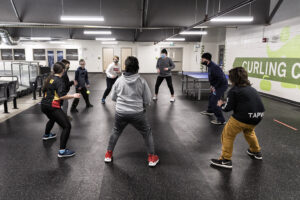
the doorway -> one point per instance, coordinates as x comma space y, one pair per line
107, 57
125, 52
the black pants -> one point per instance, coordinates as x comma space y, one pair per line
169, 82
84, 95
57, 115
213, 101
109, 83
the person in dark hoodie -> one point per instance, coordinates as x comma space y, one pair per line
164, 66
248, 111
132, 94
82, 83
219, 85
53, 94
68, 85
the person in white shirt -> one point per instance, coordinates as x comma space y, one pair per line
112, 73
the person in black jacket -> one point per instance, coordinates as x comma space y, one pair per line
248, 111
82, 83
219, 85
68, 85
53, 93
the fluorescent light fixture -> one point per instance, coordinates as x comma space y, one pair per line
29, 45
82, 18
166, 43
112, 42
97, 32
193, 33
232, 19
40, 38
57, 42
68, 46
201, 27
106, 39
175, 39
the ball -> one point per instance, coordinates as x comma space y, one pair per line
88, 92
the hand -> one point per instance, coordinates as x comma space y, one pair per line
76, 95
212, 89
113, 76
79, 88
87, 86
158, 71
75, 82
220, 103
166, 69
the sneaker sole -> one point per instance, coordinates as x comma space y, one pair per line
153, 164
65, 156
218, 123
107, 160
218, 165
207, 114
49, 138
172, 101
251, 154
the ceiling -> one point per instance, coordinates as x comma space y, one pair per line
129, 20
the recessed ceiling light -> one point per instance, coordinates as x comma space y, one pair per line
175, 39
106, 39
193, 33
232, 19
97, 32
57, 42
40, 38
113, 42
82, 18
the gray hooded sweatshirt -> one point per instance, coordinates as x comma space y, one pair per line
131, 94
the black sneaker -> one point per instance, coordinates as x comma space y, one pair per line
49, 136
217, 122
256, 155
66, 153
74, 110
221, 163
89, 106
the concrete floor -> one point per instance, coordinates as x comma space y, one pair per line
185, 142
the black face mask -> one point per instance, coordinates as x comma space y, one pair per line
204, 63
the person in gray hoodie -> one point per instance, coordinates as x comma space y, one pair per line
132, 94
164, 66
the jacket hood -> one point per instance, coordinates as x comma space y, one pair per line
131, 79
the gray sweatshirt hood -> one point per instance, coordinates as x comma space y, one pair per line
131, 79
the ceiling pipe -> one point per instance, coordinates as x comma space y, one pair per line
43, 25
7, 39
221, 13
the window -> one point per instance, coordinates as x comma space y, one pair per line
72, 54
19, 54
39, 54
6, 54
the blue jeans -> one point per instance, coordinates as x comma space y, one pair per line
213, 100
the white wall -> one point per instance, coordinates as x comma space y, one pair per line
247, 42
91, 51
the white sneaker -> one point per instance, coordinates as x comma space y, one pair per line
154, 98
172, 99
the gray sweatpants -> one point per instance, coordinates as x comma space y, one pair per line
137, 120
65, 106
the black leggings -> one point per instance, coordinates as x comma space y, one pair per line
84, 95
109, 82
169, 82
57, 115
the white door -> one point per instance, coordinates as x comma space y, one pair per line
125, 52
107, 57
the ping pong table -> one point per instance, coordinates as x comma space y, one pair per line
199, 81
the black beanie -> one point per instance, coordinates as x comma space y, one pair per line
206, 56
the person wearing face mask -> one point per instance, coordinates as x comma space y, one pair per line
164, 66
112, 73
219, 85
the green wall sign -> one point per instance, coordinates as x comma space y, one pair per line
286, 70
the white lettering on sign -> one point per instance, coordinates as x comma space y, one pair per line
294, 71
282, 73
256, 115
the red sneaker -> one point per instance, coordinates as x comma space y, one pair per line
108, 156
152, 160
